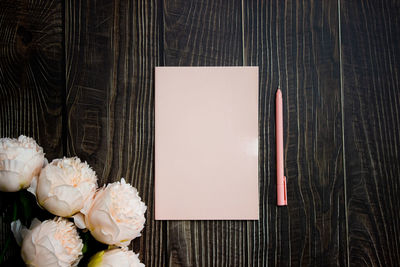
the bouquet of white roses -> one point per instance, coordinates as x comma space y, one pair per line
67, 188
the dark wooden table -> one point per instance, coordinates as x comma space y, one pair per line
79, 77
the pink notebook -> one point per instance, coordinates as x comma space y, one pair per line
206, 143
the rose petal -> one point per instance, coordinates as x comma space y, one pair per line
16, 229
57, 206
10, 181
79, 220
33, 186
52, 243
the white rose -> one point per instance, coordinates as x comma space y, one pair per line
52, 243
116, 214
20, 160
65, 185
115, 258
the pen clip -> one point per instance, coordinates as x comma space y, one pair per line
284, 190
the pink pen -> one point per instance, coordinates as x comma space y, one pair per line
280, 178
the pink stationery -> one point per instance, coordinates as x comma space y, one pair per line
206, 143
280, 178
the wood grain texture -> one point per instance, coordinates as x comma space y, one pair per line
371, 71
202, 33
31, 72
112, 48
205, 33
31, 85
295, 44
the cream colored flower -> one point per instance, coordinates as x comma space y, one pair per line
116, 215
115, 258
20, 160
52, 243
64, 185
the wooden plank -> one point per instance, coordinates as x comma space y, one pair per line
371, 61
295, 44
111, 50
31, 72
204, 33
31, 87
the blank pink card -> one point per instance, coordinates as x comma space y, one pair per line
206, 143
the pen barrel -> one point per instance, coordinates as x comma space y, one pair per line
280, 179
